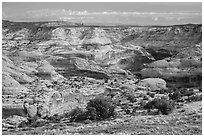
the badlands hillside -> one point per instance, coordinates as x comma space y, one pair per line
62, 65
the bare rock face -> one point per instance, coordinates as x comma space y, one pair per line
79, 62
193, 51
95, 36
108, 48
73, 66
11, 86
134, 58
13, 77
186, 66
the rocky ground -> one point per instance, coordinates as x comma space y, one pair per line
58, 66
183, 121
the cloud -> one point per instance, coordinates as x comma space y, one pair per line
104, 16
170, 18
46, 12
156, 19
74, 18
4, 15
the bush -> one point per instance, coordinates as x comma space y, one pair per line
189, 93
149, 105
176, 95
91, 113
163, 105
97, 109
195, 98
76, 115
130, 97
161, 91
151, 94
100, 108
186, 92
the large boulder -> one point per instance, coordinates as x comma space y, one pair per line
31, 110
56, 100
153, 83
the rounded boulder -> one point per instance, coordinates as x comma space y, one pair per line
153, 83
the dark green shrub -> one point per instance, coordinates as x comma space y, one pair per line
163, 105
161, 91
176, 95
200, 89
55, 118
132, 98
91, 113
100, 108
187, 92
151, 94
97, 109
145, 97
149, 105
190, 93
195, 98
76, 115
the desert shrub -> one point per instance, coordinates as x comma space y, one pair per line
161, 91
195, 98
91, 113
132, 99
149, 105
186, 92
189, 93
163, 105
175, 95
106, 80
200, 89
100, 108
145, 97
55, 118
76, 115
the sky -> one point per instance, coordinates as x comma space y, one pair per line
120, 13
